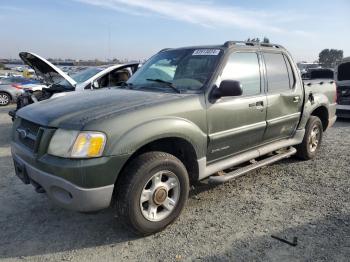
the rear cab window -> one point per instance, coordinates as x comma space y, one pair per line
291, 75
280, 76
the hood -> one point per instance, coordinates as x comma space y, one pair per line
75, 110
43, 68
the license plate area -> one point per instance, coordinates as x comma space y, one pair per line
21, 171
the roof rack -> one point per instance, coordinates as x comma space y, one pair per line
164, 49
231, 43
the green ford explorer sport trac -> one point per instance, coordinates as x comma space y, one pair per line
185, 115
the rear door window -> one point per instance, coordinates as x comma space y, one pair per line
277, 73
290, 72
244, 67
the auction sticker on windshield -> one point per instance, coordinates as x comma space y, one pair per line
206, 52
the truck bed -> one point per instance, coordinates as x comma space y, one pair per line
324, 86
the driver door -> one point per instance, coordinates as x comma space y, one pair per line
237, 124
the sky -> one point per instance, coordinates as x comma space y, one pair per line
136, 29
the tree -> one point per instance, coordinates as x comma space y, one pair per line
330, 57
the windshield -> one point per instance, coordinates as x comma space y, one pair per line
81, 76
84, 75
184, 69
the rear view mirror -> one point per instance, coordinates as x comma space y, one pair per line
228, 88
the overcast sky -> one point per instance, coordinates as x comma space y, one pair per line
135, 29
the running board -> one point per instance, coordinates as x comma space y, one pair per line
246, 169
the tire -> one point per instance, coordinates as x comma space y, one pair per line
5, 99
312, 139
151, 175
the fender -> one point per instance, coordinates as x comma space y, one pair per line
165, 127
319, 100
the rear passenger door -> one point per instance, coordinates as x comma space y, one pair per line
284, 97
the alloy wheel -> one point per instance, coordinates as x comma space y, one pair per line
160, 196
4, 99
314, 138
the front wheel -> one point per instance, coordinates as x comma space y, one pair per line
5, 99
152, 192
312, 139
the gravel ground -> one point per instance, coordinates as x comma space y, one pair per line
232, 222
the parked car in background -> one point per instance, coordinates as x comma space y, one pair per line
17, 80
57, 83
185, 115
318, 73
304, 66
18, 68
12, 87
318, 78
342, 77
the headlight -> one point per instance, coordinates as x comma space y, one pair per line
89, 144
75, 144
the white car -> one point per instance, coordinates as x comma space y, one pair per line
58, 83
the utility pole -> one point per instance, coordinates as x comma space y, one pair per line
109, 42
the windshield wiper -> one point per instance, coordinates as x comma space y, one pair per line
125, 84
169, 84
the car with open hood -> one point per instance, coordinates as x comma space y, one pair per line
58, 83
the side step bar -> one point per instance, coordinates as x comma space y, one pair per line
246, 169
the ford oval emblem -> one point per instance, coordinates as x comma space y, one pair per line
22, 133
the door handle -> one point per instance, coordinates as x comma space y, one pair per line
296, 99
257, 105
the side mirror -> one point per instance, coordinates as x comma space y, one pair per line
95, 85
228, 88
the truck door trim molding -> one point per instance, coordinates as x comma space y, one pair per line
280, 119
237, 130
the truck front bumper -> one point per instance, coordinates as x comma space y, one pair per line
62, 192
78, 184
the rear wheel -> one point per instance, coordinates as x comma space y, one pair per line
312, 139
152, 192
5, 99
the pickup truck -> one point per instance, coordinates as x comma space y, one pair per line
185, 115
342, 77
318, 73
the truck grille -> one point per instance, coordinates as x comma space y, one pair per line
29, 134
